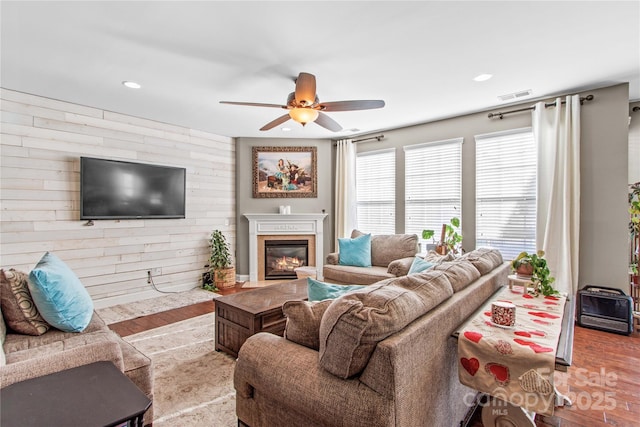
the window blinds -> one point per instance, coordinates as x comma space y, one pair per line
506, 165
433, 186
376, 191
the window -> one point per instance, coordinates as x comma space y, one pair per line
376, 189
433, 186
506, 165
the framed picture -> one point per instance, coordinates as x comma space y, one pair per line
284, 172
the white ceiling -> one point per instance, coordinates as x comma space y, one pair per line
420, 57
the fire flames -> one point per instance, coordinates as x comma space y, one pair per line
286, 263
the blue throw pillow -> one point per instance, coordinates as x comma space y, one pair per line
356, 251
60, 297
419, 265
319, 291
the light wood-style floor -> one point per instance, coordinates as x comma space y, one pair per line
603, 381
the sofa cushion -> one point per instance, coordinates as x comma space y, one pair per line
59, 295
389, 247
355, 251
20, 312
319, 291
303, 321
349, 275
484, 259
354, 323
460, 273
419, 265
435, 258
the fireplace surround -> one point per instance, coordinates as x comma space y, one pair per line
302, 226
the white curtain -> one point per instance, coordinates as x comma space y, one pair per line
557, 134
346, 200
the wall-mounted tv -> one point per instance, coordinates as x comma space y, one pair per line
113, 189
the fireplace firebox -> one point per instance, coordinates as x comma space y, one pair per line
282, 257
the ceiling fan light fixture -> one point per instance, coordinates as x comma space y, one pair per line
303, 115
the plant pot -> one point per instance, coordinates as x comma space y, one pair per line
524, 270
441, 249
225, 278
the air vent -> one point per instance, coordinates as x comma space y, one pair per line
515, 95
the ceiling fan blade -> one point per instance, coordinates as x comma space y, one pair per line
253, 104
305, 89
352, 105
275, 122
328, 123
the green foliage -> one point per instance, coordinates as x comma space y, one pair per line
452, 238
634, 225
541, 276
427, 234
220, 257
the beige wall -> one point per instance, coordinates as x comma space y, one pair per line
604, 158
42, 141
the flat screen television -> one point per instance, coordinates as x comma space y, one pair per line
114, 189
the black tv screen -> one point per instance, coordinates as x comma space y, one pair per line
113, 189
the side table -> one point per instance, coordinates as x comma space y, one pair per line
519, 280
98, 394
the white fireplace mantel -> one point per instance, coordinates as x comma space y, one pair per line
279, 224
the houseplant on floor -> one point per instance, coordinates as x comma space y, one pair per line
220, 266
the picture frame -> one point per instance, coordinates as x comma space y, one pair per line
285, 172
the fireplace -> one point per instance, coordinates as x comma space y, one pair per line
282, 257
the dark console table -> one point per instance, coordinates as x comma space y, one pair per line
97, 394
238, 316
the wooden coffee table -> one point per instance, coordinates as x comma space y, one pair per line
241, 315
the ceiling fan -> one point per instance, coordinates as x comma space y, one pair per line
304, 106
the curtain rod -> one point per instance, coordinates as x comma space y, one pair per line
500, 114
377, 138
355, 141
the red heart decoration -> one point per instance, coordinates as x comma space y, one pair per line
543, 314
523, 334
487, 313
527, 296
524, 342
551, 303
530, 306
542, 322
540, 349
505, 300
470, 365
473, 336
499, 372
538, 333
552, 297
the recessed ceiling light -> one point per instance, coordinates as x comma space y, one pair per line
285, 129
131, 85
482, 77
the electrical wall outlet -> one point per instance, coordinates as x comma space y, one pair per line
156, 271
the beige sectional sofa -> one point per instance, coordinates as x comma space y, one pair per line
391, 256
382, 355
31, 347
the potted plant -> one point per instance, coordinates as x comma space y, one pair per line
450, 239
634, 231
220, 267
539, 272
428, 234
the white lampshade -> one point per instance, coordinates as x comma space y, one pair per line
303, 115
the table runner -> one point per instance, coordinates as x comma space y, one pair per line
514, 364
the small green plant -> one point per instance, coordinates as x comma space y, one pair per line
540, 276
450, 238
220, 257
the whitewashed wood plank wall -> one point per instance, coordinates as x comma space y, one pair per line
42, 142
